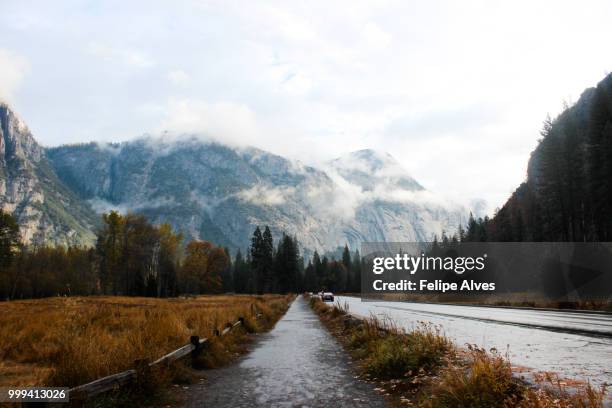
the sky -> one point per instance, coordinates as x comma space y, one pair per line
455, 91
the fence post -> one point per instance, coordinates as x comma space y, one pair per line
143, 373
195, 340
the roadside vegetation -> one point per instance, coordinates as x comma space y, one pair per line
519, 299
424, 368
70, 341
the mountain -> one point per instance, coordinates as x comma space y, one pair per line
215, 192
46, 210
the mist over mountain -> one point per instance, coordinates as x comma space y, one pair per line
218, 193
212, 191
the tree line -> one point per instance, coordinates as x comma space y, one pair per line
133, 257
267, 268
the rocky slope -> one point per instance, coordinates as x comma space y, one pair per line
46, 210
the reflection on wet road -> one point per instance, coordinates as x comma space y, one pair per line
577, 345
296, 364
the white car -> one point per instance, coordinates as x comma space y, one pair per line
327, 297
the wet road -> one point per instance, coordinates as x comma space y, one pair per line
575, 345
297, 364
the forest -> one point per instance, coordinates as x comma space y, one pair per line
133, 257
567, 195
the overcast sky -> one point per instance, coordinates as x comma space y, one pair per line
456, 91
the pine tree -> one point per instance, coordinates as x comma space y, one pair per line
310, 278
268, 261
356, 272
346, 261
262, 260
9, 247
286, 265
240, 272
257, 262
9, 239
318, 269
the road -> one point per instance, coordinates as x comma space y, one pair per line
573, 344
296, 364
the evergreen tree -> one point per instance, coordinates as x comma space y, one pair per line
346, 261
227, 277
9, 239
310, 278
270, 282
240, 273
257, 263
286, 264
262, 260
356, 272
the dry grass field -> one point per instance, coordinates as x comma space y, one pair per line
70, 341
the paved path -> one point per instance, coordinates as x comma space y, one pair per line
297, 364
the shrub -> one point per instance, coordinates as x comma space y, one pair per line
397, 353
485, 382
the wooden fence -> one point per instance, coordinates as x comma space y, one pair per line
115, 381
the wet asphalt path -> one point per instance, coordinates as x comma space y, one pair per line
297, 364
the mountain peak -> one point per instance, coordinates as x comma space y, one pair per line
376, 159
8, 116
369, 168
16, 140
30, 190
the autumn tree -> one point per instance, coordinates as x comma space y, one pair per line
202, 267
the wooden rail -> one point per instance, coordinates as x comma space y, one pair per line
115, 381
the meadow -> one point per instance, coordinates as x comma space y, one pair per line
67, 341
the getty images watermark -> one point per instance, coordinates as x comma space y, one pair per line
556, 270
411, 264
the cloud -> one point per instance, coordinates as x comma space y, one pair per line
179, 77
129, 57
266, 195
230, 123
460, 109
438, 122
375, 36
100, 205
13, 68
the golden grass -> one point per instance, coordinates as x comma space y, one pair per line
484, 380
385, 350
70, 341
